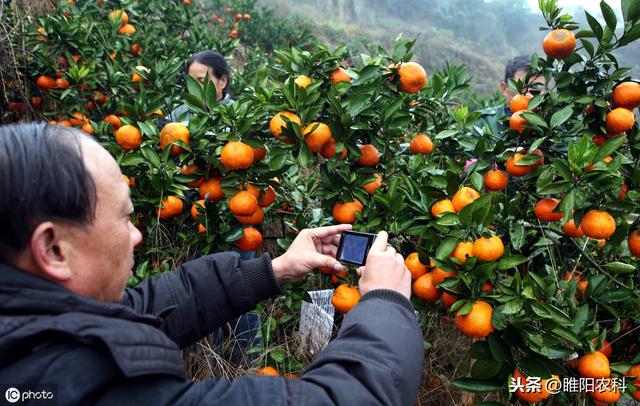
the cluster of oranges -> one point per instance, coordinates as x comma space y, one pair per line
122, 18
238, 17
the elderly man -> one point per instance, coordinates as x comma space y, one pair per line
68, 321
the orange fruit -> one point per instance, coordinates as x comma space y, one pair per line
127, 29
258, 154
253, 219
421, 144
328, 150
247, 16
316, 138
268, 197
268, 371
623, 191
345, 298
531, 396
425, 288
62, 84
78, 119
236, 155
211, 189
448, 299
88, 128
128, 137
172, 132
496, 180
519, 102
627, 95
136, 77
619, 120
345, 212
442, 206
303, 81
517, 170
119, 16
412, 77
413, 264
464, 197
372, 186
488, 249
604, 392
440, 275
517, 122
570, 229
477, 323
171, 207
598, 224
461, 251
544, 210
197, 208
369, 155
277, 122
594, 365
559, 43
243, 203
604, 348
339, 75
251, 239
136, 49
189, 170
634, 243
45, 82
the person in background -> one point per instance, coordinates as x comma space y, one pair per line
68, 322
494, 117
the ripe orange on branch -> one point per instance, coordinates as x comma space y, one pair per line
634, 243
464, 197
559, 43
619, 120
531, 396
345, 298
251, 239
598, 224
413, 264
277, 122
517, 122
462, 250
172, 132
374, 185
128, 137
519, 102
544, 210
442, 206
477, 323
594, 365
421, 144
339, 75
243, 203
413, 77
627, 95
211, 189
171, 207
488, 249
237, 155
495, 180
316, 135
345, 212
425, 288
517, 170
369, 155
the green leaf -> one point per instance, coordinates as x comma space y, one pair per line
630, 10
619, 267
609, 15
151, 156
615, 295
445, 134
499, 349
517, 235
485, 368
631, 35
446, 247
535, 119
611, 145
511, 261
561, 116
595, 25
566, 334
476, 385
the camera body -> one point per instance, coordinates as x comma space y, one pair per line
354, 247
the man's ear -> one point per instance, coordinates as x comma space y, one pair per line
50, 253
503, 88
223, 81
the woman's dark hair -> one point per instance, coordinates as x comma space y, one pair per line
516, 64
42, 177
216, 63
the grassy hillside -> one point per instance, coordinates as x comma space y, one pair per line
482, 35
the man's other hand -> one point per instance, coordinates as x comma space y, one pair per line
312, 248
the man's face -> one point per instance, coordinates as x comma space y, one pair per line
520, 75
100, 255
199, 71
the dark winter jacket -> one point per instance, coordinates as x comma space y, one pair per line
91, 352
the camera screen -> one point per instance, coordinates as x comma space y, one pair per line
354, 248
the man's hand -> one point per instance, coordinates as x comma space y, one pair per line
312, 248
384, 269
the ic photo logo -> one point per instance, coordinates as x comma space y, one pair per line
12, 395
